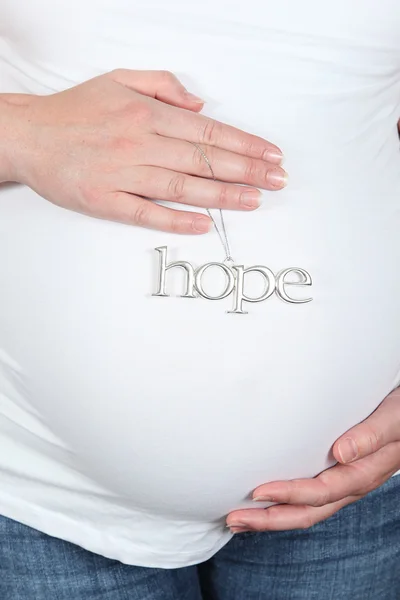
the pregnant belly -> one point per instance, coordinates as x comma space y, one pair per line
171, 403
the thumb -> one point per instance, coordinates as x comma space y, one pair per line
161, 85
382, 427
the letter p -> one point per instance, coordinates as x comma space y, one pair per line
239, 294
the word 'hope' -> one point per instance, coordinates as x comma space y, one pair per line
234, 281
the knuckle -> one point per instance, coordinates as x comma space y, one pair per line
121, 144
322, 499
265, 173
323, 494
272, 513
290, 492
375, 439
176, 187
251, 148
223, 197
368, 480
199, 164
140, 112
114, 73
142, 214
250, 171
119, 74
307, 520
211, 132
120, 71
166, 77
293, 491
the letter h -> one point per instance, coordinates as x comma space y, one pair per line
163, 268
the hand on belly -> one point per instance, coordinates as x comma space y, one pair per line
120, 139
368, 455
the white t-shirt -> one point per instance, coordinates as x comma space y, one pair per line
132, 424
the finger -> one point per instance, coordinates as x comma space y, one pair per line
133, 210
182, 156
335, 483
174, 123
380, 428
161, 85
163, 184
284, 517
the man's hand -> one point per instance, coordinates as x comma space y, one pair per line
367, 455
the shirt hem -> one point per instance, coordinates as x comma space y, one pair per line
62, 527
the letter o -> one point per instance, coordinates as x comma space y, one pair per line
228, 288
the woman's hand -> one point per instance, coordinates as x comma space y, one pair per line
104, 147
368, 455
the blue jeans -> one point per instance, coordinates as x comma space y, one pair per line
354, 555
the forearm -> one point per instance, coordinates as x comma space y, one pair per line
14, 125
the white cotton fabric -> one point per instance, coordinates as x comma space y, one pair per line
129, 424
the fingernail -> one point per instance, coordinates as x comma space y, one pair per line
194, 98
347, 450
202, 224
277, 178
240, 530
263, 499
274, 156
237, 525
250, 198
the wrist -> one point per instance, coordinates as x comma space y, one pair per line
14, 122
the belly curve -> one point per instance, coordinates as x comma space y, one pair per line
169, 403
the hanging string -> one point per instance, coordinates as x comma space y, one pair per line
222, 234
